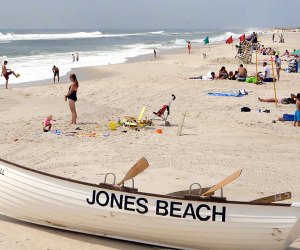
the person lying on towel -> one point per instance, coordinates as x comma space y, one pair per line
209, 76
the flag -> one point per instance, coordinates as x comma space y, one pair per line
229, 40
242, 38
206, 40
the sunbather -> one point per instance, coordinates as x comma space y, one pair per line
288, 100
209, 76
286, 53
231, 76
223, 74
242, 72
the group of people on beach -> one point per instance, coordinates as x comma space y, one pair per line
240, 74
75, 58
71, 97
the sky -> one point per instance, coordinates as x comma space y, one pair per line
148, 14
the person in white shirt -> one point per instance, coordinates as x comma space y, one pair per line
209, 76
267, 71
266, 75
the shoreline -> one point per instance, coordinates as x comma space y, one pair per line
88, 73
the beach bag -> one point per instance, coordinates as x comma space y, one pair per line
245, 109
285, 101
251, 79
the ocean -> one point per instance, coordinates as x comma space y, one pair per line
32, 53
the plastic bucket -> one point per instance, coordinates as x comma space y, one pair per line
112, 126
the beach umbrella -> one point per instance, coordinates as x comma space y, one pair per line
296, 52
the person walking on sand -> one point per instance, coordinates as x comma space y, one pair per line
154, 53
55, 71
297, 113
72, 96
73, 57
189, 47
273, 37
278, 66
6, 72
77, 57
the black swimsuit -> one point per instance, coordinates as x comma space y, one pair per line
73, 95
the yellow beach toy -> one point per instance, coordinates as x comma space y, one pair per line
112, 126
131, 121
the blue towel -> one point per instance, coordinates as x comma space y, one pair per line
225, 94
288, 117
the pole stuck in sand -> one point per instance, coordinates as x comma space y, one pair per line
274, 82
256, 64
181, 124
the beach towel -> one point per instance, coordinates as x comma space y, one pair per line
226, 94
288, 117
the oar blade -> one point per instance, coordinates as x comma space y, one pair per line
136, 169
223, 183
274, 198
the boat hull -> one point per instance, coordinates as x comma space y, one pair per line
148, 218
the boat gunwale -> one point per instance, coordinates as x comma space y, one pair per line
134, 191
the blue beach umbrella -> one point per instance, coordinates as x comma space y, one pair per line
296, 52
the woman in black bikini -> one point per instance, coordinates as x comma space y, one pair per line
72, 96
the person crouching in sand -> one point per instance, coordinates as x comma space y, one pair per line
47, 123
72, 96
297, 113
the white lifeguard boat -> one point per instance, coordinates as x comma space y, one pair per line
189, 222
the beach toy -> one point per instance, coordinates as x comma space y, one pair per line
56, 131
159, 131
112, 126
105, 135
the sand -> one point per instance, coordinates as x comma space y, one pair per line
217, 139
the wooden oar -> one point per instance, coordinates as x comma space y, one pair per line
274, 198
223, 183
136, 169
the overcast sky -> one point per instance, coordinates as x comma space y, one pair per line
148, 14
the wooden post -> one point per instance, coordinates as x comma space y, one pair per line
181, 124
256, 64
274, 80
246, 54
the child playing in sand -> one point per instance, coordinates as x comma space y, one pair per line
47, 123
297, 113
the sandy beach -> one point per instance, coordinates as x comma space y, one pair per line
217, 138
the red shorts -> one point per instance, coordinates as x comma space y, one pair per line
6, 75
